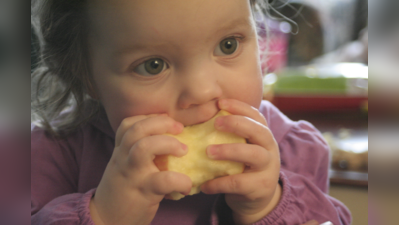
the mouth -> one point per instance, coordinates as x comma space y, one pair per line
202, 119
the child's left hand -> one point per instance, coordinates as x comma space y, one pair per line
254, 193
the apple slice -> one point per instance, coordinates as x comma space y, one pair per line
196, 164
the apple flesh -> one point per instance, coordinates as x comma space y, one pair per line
196, 164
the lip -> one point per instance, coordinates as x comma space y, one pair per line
202, 120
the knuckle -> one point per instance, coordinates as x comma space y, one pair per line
255, 154
124, 124
165, 121
266, 183
260, 128
168, 179
139, 149
255, 131
253, 196
131, 159
259, 113
234, 184
262, 117
123, 127
267, 129
138, 128
141, 145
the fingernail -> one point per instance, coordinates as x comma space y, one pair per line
185, 193
179, 126
184, 146
211, 151
203, 189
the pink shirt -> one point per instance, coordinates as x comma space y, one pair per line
66, 172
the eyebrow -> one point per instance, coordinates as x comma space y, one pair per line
237, 23
136, 47
240, 22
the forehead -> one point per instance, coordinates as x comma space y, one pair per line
148, 21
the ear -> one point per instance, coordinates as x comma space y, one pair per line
91, 89
93, 94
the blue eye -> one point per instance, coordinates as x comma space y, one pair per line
151, 67
227, 46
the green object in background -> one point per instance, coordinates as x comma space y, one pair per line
338, 79
308, 85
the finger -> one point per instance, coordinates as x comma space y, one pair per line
311, 222
241, 184
253, 131
236, 107
150, 126
166, 182
144, 151
126, 124
253, 156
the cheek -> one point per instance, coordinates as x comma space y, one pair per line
116, 107
120, 103
247, 87
114, 97
254, 89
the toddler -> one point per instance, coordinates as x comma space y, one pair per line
116, 75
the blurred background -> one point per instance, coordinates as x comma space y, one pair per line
14, 113
318, 70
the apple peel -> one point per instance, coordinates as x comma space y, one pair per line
196, 164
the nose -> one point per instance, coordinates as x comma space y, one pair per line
199, 84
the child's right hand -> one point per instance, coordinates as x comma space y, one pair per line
132, 186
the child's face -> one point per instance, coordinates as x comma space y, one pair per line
175, 56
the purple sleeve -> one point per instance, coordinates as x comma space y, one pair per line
303, 149
301, 201
304, 178
66, 210
304, 175
54, 176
